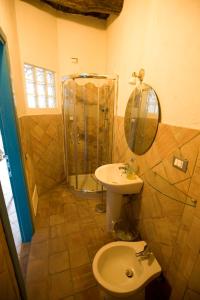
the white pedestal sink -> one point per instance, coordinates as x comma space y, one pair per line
117, 184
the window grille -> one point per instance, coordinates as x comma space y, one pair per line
40, 87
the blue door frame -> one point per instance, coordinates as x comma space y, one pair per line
9, 131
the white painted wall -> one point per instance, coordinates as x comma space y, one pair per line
84, 38
8, 28
37, 31
163, 37
49, 41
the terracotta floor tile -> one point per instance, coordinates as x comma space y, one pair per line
100, 219
58, 244
40, 235
75, 240
37, 270
83, 278
71, 227
43, 204
60, 285
88, 226
61, 254
58, 262
70, 209
43, 212
37, 290
79, 257
72, 218
56, 209
39, 250
92, 237
84, 212
93, 293
56, 219
92, 250
57, 231
41, 221
88, 221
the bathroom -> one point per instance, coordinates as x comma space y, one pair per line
163, 39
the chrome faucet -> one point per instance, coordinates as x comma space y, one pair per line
145, 253
127, 168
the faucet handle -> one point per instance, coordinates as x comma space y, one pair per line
145, 250
138, 253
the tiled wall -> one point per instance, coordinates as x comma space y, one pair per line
8, 285
42, 146
171, 228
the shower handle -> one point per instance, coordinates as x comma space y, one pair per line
73, 136
78, 138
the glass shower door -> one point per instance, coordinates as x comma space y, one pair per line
88, 125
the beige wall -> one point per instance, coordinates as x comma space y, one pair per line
163, 38
84, 38
37, 36
37, 31
49, 41
8, 27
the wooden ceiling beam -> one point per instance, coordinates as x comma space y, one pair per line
98, 8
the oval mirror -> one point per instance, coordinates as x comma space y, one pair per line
141, 118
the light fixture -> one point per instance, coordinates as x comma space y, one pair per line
135, 76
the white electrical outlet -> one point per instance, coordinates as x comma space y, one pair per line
180, 164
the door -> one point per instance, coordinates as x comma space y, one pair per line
9, 131
12, 152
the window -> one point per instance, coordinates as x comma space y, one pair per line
152, 103
40, 87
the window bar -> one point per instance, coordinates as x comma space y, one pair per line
46, 89
35, 86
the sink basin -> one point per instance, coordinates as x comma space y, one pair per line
117, 184
115, 261
116, 181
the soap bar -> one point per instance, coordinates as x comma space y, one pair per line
131, 176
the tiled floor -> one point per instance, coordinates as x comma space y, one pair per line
68, 234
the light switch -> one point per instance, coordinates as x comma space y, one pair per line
74, 60
180, 164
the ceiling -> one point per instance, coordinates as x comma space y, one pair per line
96, 8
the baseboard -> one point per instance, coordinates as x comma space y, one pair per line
35, 200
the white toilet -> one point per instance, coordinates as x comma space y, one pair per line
122, 272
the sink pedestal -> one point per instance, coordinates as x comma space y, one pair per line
117, 184
113, 209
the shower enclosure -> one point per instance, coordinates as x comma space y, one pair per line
88, 115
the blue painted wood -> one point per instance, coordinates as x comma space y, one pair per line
9, 131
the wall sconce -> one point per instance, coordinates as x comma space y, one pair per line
135, 76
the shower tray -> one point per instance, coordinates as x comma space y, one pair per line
85, 183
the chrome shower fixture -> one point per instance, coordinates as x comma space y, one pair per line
139, 75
